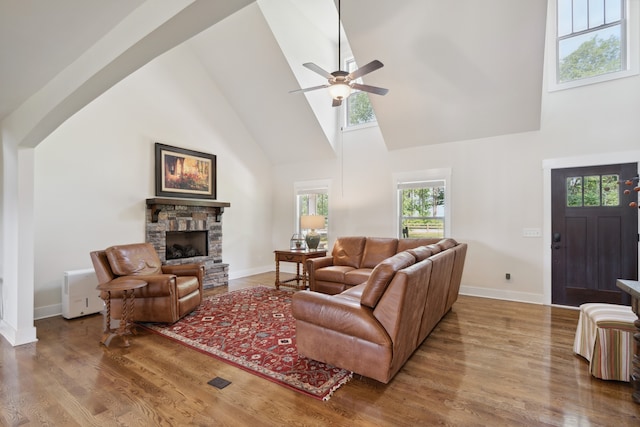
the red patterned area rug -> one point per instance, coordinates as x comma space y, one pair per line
253, 329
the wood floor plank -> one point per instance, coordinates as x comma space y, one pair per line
488, 362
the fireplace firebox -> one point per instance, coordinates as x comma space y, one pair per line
187, 244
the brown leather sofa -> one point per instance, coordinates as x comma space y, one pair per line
373, 328
352, 260
172, 291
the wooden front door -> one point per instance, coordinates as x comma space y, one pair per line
594, 238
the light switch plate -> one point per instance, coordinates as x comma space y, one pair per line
531, 232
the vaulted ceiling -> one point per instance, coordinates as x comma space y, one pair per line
455, 70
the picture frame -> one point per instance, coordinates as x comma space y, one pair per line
184, 173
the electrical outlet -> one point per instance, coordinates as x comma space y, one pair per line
507, 276
531, 232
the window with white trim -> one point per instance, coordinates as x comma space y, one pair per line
359, 110
593, 41
421, 208
313, 199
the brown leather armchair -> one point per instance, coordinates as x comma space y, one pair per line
172, 291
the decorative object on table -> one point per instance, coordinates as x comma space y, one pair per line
632, 182
253, 329
297, 242
185, 173
312, 223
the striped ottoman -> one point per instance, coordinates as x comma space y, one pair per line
605, 338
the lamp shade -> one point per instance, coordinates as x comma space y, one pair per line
339, 90
311, 222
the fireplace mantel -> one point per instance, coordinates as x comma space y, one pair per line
170, 201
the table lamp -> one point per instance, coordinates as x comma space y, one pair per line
312, 222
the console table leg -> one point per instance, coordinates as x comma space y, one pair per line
635, 376
304, 276
107, 334
127, 313
632, 287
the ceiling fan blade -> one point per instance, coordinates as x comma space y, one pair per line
366, 69
308, 89
317, 69
370, 89
336, 102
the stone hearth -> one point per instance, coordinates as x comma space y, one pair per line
169, 214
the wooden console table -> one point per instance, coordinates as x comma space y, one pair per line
632, 287
299, 257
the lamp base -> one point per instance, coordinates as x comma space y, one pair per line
313, 240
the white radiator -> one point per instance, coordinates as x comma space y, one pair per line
79, 294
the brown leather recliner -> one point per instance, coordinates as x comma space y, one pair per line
172, 291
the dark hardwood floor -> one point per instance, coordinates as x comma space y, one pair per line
488, 363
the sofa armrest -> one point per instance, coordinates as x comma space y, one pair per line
340, 314
314, 264
195, 269
183, 269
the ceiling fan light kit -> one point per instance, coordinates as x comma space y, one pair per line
339, 91
342, 83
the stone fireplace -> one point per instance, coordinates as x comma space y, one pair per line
186, 244
184, 231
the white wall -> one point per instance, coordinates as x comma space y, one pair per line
497, 183
95, 171
97, 168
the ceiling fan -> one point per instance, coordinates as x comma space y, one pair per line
341, 83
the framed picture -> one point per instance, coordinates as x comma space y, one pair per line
185, 173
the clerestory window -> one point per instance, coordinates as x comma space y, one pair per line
592, 41
359, 110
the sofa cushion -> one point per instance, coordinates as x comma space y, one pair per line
377, 249
448, 243
420, 253
348, 251
435, 249
405, 244
354, 292
381, 277
357, 276
333, 273
136, 259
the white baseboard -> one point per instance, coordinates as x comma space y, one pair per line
233, 274
17, 337
502, 294
47, 311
